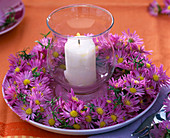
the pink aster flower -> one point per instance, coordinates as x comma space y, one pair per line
11, 95
132, 38
44, 91
42, 80
50, 119
71, 112
121, 58
16, 65
72, 97
116, 115
26, 110
166, 9
133, 88
87, 119
34, 65
130, 103
25, 79
158, 76
37, 97
99, 108
2, 18
102, 122
154, 8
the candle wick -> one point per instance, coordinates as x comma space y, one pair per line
79, 41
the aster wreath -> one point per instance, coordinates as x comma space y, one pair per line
135, 83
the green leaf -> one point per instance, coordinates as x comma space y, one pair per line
45, 35
40, 43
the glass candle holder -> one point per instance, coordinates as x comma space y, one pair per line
81, 55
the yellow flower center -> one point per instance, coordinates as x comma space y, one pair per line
44, 70
26, 82
136, 81
114, 117
51, 122
37, 102
116, 85
141, 78
168, 7
28, 64
107, 57
99, 110
55, 54
155, 77
148, 65
127, 102
117, 56
76, 126
41, 109
132, 90
14, 96
15, 82
62, 66
120, 60
152, 87
88, 118
102, 124
33, 69
141, 101
75, 98
32, 88
73, 113
109, 101
28, 111
17, 69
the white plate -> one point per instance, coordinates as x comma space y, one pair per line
19, 10
88, 131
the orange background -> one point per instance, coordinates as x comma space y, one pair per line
131, 14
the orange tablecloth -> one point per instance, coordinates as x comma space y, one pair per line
130, 14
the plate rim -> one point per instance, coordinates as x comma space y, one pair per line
18, 21
83, 131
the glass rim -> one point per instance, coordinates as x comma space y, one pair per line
80, 5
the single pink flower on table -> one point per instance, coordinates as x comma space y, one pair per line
166, 9
154, 8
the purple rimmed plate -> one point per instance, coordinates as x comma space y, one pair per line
16, 6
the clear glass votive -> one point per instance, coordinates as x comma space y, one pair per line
81, 55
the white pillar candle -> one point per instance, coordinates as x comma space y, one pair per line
80, 60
